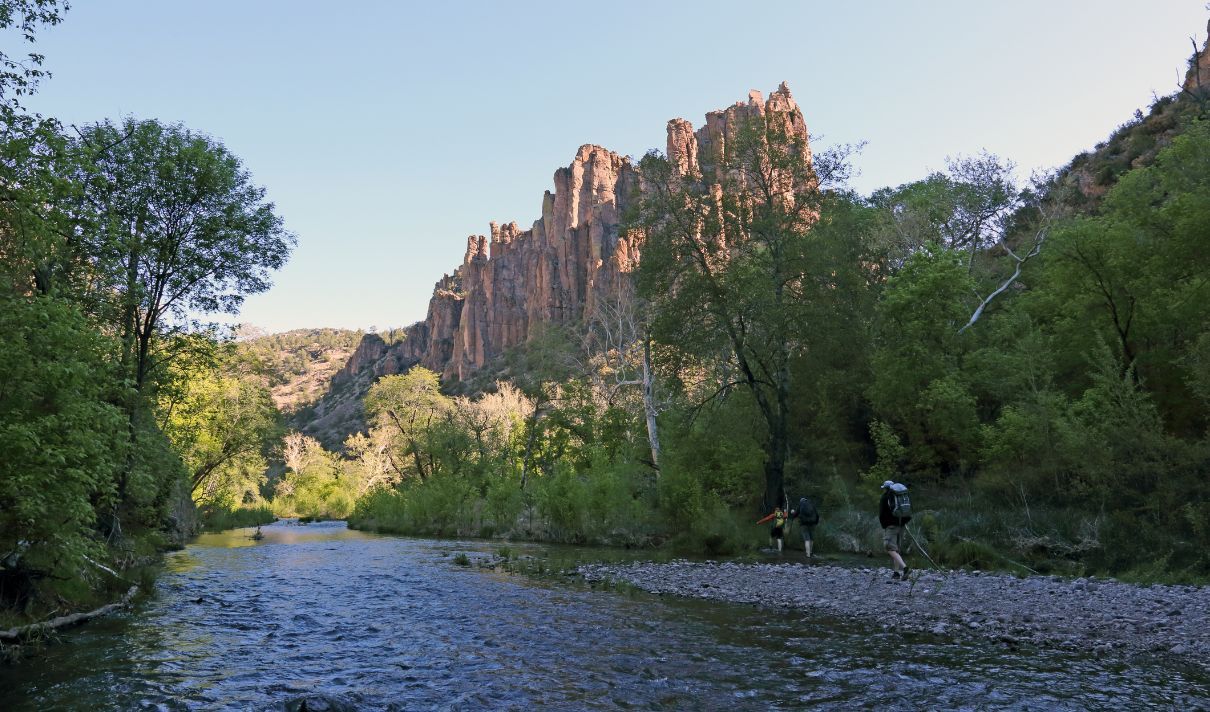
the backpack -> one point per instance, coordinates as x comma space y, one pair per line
901, 503
807, 513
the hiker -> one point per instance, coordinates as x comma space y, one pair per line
777, 533
808, 517
894, 512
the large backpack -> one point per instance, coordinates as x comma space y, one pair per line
808, 515
901, 503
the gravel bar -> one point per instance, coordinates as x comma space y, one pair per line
1099, 616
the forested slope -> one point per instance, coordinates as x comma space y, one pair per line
1031, 358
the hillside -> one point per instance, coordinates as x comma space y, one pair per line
300, 364
1136, 143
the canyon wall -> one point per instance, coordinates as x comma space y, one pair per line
513, 282
1197, 78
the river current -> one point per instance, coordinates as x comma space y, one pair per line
334, 617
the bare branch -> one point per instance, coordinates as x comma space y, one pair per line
1035, 250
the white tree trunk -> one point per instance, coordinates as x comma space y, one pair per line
653, 431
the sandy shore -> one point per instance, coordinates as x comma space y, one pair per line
1096, 615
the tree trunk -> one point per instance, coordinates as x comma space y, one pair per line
779, 437
775, 466
653, 433
529, 439
64, 621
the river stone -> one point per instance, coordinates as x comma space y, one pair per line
318, 703
1115, 618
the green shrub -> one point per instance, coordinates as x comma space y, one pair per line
222, 518
502, 505
966, 553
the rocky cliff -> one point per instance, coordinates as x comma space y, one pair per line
1197, 78
513, 282
1083, 183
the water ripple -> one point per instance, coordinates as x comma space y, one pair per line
354, 621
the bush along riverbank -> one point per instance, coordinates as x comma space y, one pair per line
217, 519
125, 572
956, 532
38, 609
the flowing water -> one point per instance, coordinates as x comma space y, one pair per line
333, 617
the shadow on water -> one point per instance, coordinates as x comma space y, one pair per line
361, 621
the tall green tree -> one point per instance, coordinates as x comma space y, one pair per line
732, 266
1134, 277
177, 231
402, 409
919, 387
183, 231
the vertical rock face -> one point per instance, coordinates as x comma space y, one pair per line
1197, 79
513, 282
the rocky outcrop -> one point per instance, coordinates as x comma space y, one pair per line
1085, 182
1197, 78
513, 282
339, 413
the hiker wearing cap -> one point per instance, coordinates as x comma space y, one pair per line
894, 511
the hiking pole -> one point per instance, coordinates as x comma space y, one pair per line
1005, 559
921, 547
944, 574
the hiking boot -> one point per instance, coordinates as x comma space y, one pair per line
896, 576
906, 570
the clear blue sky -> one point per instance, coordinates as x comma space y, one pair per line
386, 132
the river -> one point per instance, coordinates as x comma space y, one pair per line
358, 621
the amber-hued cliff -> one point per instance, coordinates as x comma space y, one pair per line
512, 282
1197, 78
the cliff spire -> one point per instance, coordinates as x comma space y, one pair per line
514, 282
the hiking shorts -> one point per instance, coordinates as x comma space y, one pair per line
808, 533
892, 537
776, 533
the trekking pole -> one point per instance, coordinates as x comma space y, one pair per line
1007, 560
921, 547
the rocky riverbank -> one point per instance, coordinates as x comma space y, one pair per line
1095, 615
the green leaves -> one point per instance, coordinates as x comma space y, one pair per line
221, 419
178, 229
1135, 276
741, 262
20, 77
61, 442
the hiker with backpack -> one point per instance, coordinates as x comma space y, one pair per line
808, 517
894, 512
777, 531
